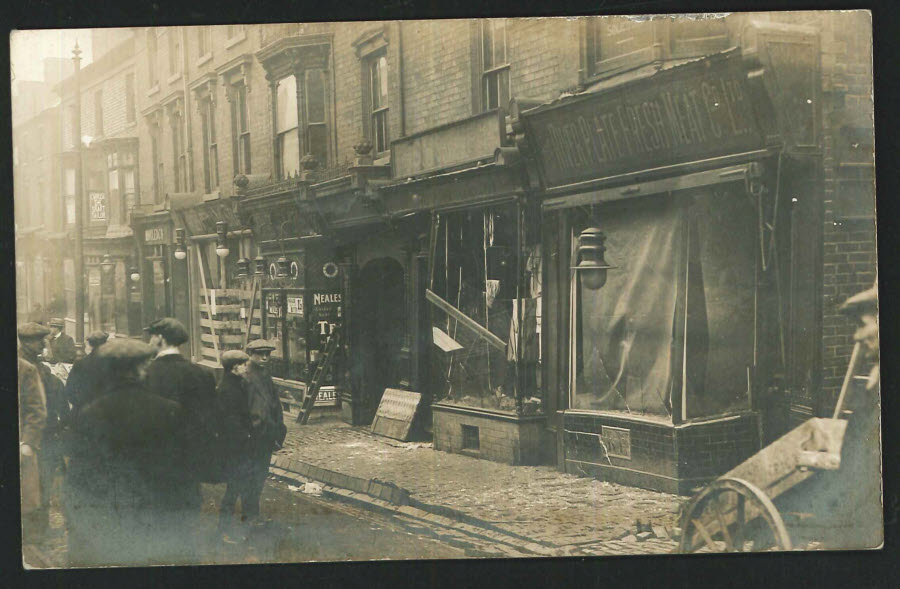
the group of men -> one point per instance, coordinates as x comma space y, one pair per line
134, 431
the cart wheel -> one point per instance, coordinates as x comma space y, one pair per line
732, 515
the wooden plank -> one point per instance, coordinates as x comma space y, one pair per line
203, 284
222, 309
234, 324
225, 338
465, 320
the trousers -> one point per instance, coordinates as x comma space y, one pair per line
246, 482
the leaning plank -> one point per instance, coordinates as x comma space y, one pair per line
465, 320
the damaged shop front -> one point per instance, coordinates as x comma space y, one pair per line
681, 226
478, 288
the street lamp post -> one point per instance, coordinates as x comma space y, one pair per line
79, 205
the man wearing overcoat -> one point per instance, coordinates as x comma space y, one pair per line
62, 346
86, 379
50, 459
32, 419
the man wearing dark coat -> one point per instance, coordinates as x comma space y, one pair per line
62, 346
32, 419
267, 429
174, 377
118, 500
50, 459
234, 415
86, 380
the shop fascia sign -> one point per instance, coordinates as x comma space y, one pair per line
156, 235
689, 113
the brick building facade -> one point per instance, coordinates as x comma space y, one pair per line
332, 149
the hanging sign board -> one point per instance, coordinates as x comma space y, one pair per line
395, 414
688, 113
98, 206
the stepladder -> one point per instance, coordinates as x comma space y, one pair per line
315, 384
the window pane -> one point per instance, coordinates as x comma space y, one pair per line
315, 96
295, 336
379, 131
242, 95
286, 106
624, 351
214, 165
499, 40
129, 180
720, 304
245, 153
70, 181
317, 142
487, 45
289, 148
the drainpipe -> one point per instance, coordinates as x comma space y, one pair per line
188, 141
400, 71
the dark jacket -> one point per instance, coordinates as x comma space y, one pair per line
266, 415
57, 407
62, 348
32, 405
86, 381
233, 409
175, 378
124, 450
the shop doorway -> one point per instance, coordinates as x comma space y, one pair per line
380, 324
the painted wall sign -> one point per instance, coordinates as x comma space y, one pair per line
156, 235
324, 315
689, 113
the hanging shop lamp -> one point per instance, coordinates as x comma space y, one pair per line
259, 266
180, 250
135, 275
592, 266
221, 244
107, 264
243, 268
284, 266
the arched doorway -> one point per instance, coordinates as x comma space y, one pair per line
380, 323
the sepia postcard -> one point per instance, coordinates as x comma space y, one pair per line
483, 288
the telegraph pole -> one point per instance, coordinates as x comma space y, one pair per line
79, 209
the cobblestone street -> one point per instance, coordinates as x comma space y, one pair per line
536, 505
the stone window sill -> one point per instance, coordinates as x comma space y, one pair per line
174, 78
153, 89
203, 59
235, 40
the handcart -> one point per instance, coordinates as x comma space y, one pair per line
739, 512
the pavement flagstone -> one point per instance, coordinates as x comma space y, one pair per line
538, 505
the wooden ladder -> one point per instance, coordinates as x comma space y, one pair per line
316, 383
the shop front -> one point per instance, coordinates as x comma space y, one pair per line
477, 293
678, 218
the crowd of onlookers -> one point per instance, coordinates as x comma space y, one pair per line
124, 437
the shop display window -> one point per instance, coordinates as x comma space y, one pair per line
284, 325
675, 318
486, 341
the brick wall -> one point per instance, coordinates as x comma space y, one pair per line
501, 438
543, 55
849, 246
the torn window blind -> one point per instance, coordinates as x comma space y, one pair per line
720, 320
624, 330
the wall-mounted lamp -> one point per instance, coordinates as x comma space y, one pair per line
107, 264
221, 244
284, 266
180, 250
592, 266
135, 275
259, 266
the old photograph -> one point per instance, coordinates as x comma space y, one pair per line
446, 289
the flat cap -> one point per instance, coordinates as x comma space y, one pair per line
57, 322
170, 328
862, 302
97, 338
260, 345
232, 357
32, 330
127, 349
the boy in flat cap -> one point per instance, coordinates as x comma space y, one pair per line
86, 379
50, 459
118, 499
174, 377
62, 346
234, 412
267, 429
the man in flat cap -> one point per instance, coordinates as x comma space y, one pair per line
859, 484
267, 429
234, 414
86, 379
32, 419
62, 346
118, 498
174, 377
50, 459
